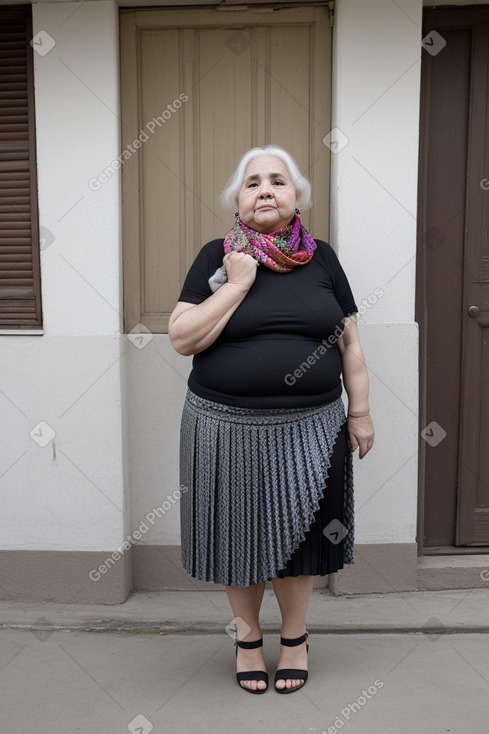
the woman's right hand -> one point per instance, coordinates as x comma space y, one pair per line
240, 268
194, 327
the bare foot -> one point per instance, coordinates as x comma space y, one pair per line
251, 660
292, 657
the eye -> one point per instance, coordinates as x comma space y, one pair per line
280, 183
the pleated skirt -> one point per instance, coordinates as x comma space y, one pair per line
265, 493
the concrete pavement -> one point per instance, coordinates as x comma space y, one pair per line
161, 662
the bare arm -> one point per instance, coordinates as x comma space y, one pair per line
355, 380
194, 327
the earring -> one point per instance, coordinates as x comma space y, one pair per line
236, 217
297, 211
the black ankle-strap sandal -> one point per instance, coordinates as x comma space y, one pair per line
251, 674
292, 673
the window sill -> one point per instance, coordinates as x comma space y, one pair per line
21, 332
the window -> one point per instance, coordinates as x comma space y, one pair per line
20, 281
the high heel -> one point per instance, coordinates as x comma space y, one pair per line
291, 673
251, 674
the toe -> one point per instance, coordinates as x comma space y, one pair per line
253, 685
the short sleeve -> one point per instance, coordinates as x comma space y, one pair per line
343, 292
196, 287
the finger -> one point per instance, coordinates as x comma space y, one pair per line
354, 442
365, 447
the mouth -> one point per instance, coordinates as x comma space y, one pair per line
267, 206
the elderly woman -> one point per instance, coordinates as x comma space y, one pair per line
266, 446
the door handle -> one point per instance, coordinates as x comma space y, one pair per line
474, 311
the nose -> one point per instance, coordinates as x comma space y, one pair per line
265, 191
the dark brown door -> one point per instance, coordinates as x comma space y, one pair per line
453, 278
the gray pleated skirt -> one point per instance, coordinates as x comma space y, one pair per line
266, 493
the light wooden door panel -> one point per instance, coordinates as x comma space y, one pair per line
248, 78
159, 170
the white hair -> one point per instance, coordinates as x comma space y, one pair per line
229, 197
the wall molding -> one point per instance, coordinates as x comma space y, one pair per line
86, 577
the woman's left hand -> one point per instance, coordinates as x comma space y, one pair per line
361, 432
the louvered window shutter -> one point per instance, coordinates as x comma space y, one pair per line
20, 285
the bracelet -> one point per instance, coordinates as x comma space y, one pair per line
359, 416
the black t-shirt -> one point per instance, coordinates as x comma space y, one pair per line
278, 349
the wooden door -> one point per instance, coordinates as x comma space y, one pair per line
453, 277
199, 88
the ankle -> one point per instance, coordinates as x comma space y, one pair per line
249, 634
292, 633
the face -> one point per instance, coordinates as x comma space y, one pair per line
268, 198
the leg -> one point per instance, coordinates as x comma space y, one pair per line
293, 594
245, 603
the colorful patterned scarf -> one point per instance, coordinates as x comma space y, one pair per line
280, 250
